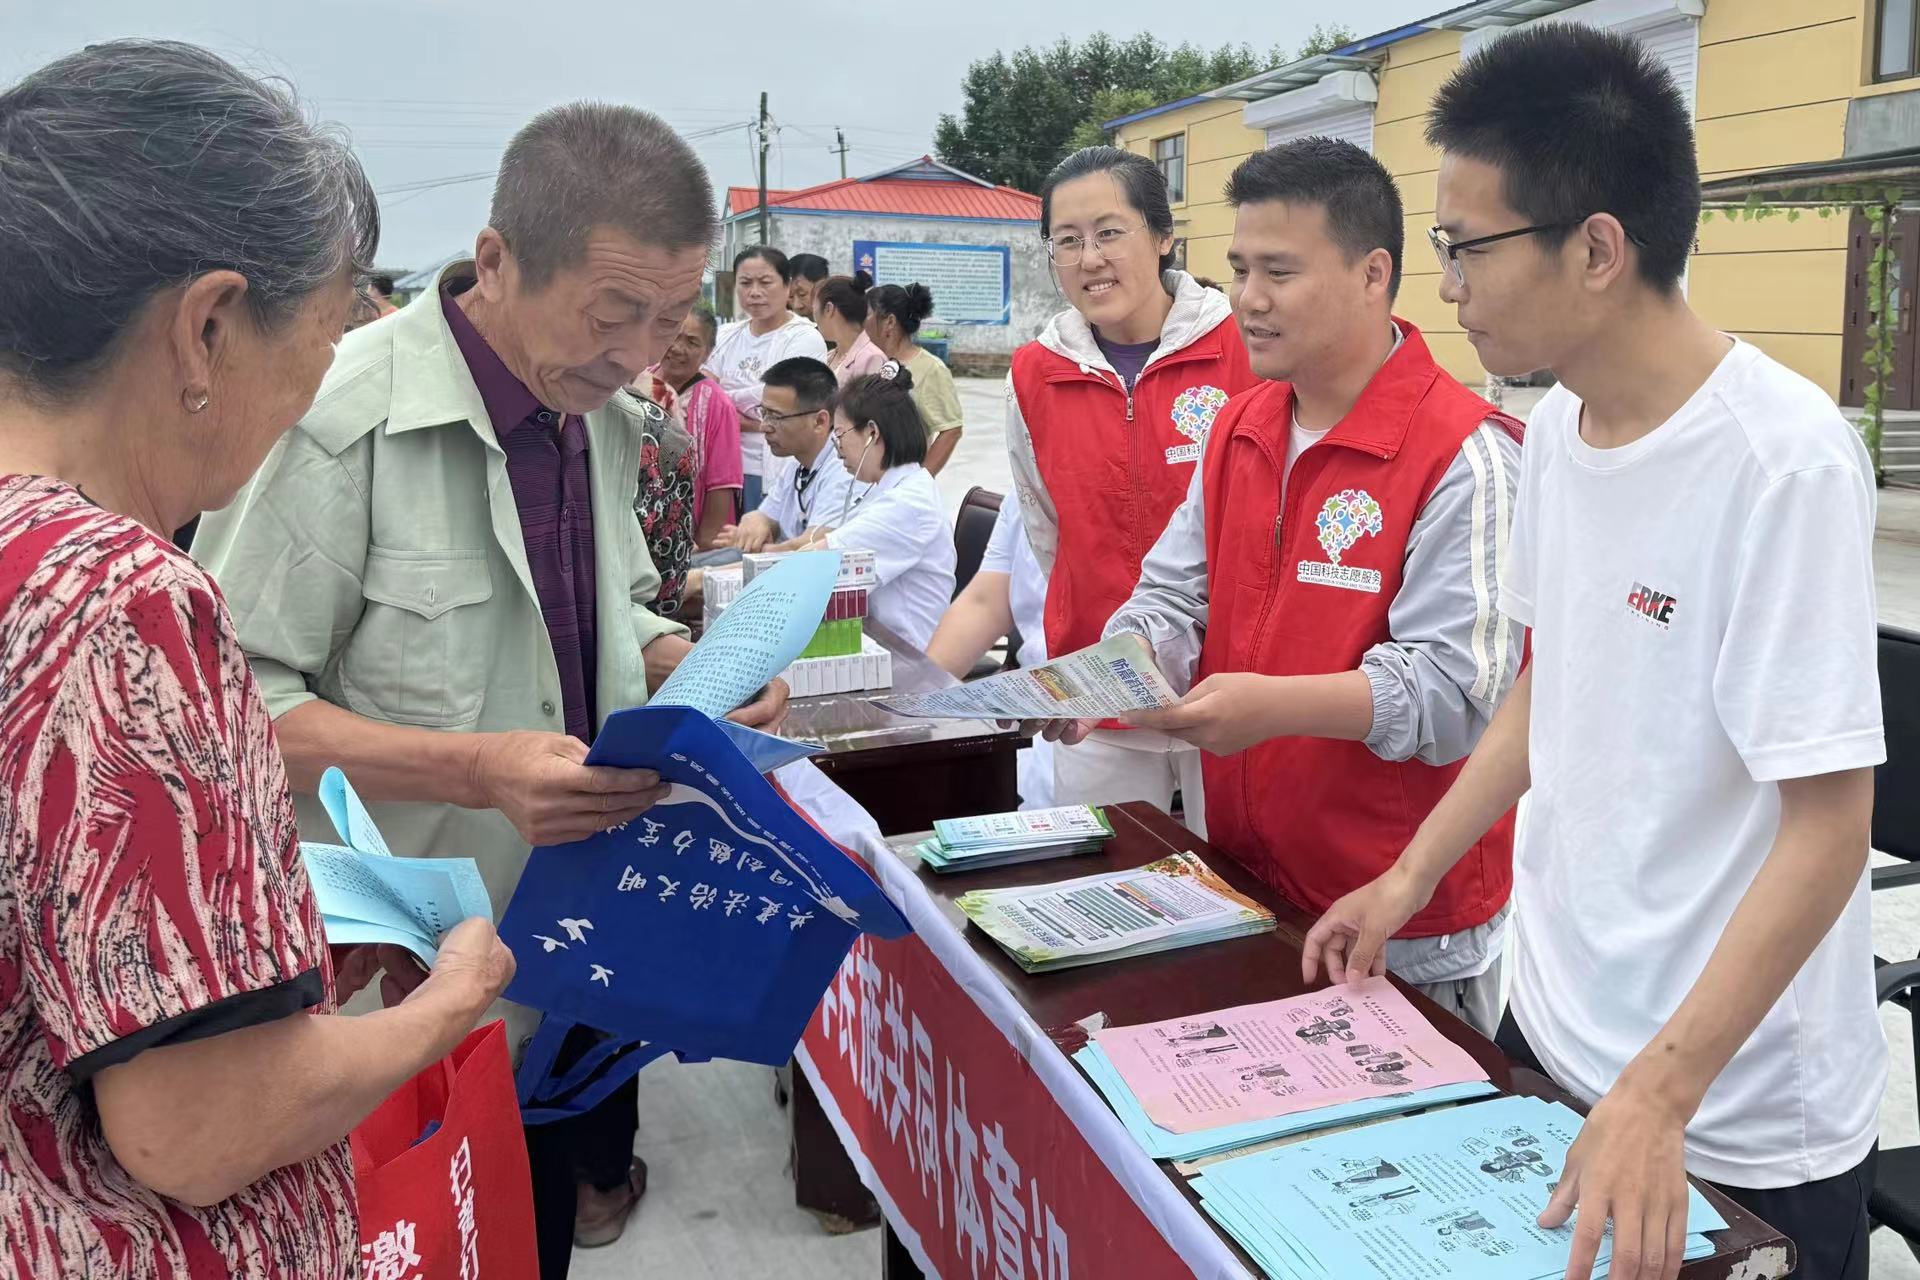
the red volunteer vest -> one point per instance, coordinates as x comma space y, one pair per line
1306, 591
1117, 465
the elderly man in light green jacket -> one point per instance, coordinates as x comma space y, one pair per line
439, 575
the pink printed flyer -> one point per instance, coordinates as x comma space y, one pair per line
1259, 1061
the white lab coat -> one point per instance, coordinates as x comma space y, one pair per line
901, 519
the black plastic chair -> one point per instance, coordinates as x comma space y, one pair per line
972, 530
1896, 831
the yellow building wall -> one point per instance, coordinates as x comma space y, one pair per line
1216, 142
1774, 80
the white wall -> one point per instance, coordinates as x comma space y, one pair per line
1034, 297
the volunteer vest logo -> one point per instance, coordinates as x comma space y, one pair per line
1344, 519
1193, 413
1655, 606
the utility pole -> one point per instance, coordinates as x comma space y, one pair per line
766, 235
841, 150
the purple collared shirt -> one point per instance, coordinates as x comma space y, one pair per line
547, 465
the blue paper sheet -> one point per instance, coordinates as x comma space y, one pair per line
766, 627
1165, 1144
368, 895
711, 924
1450, 1192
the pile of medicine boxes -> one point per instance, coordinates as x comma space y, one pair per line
841, 657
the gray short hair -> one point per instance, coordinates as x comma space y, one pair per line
591, 164
137, 165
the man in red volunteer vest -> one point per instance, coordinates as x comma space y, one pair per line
1332, 580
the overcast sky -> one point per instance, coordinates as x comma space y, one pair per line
432, 89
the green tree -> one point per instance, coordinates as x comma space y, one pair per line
1021, 113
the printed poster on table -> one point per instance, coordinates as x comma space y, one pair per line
971, 283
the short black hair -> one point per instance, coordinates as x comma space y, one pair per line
1580, 122
382, 283
886, 400
909, 305
808, 266
811, 382
1140, 179
847, 296
769, 255
1354, 189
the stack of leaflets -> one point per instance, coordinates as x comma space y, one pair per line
1451, 1192
1004, 839
1165, 1144
1163, 906
1213, 1081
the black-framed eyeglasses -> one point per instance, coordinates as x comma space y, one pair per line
782, 417
1447, 250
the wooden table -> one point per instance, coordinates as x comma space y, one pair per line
1221, 975
907, 772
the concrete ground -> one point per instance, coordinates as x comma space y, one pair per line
721, 1204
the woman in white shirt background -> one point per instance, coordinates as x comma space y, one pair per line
767, 334
893, 506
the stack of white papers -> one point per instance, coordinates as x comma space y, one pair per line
1165, 1144
1163, 906
1451, 1192
1004, 839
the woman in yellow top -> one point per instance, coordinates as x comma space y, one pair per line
894, 315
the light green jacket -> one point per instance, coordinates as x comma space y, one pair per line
376, 562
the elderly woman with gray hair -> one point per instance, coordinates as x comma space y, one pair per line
178, 247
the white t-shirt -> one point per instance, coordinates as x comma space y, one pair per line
901, 519
740, 356
797, 510
1009, 552
1704, 626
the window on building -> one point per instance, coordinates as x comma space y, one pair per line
1179, 253
1170, 155
1896, 51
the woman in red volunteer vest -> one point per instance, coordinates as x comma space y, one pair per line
1106, 413
1333, 580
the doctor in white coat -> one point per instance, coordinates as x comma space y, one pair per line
892, 506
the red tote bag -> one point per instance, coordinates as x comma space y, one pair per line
456, 1203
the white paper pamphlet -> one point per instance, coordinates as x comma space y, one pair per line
1111, 677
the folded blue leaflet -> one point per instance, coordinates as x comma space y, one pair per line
710, 926
365, 894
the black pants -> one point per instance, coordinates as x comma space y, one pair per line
595, 1147
1826, 1220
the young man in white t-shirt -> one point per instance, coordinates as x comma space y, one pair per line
1692, 546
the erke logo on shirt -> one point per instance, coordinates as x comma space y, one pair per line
1656, 607
1344, 519
1193, 413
